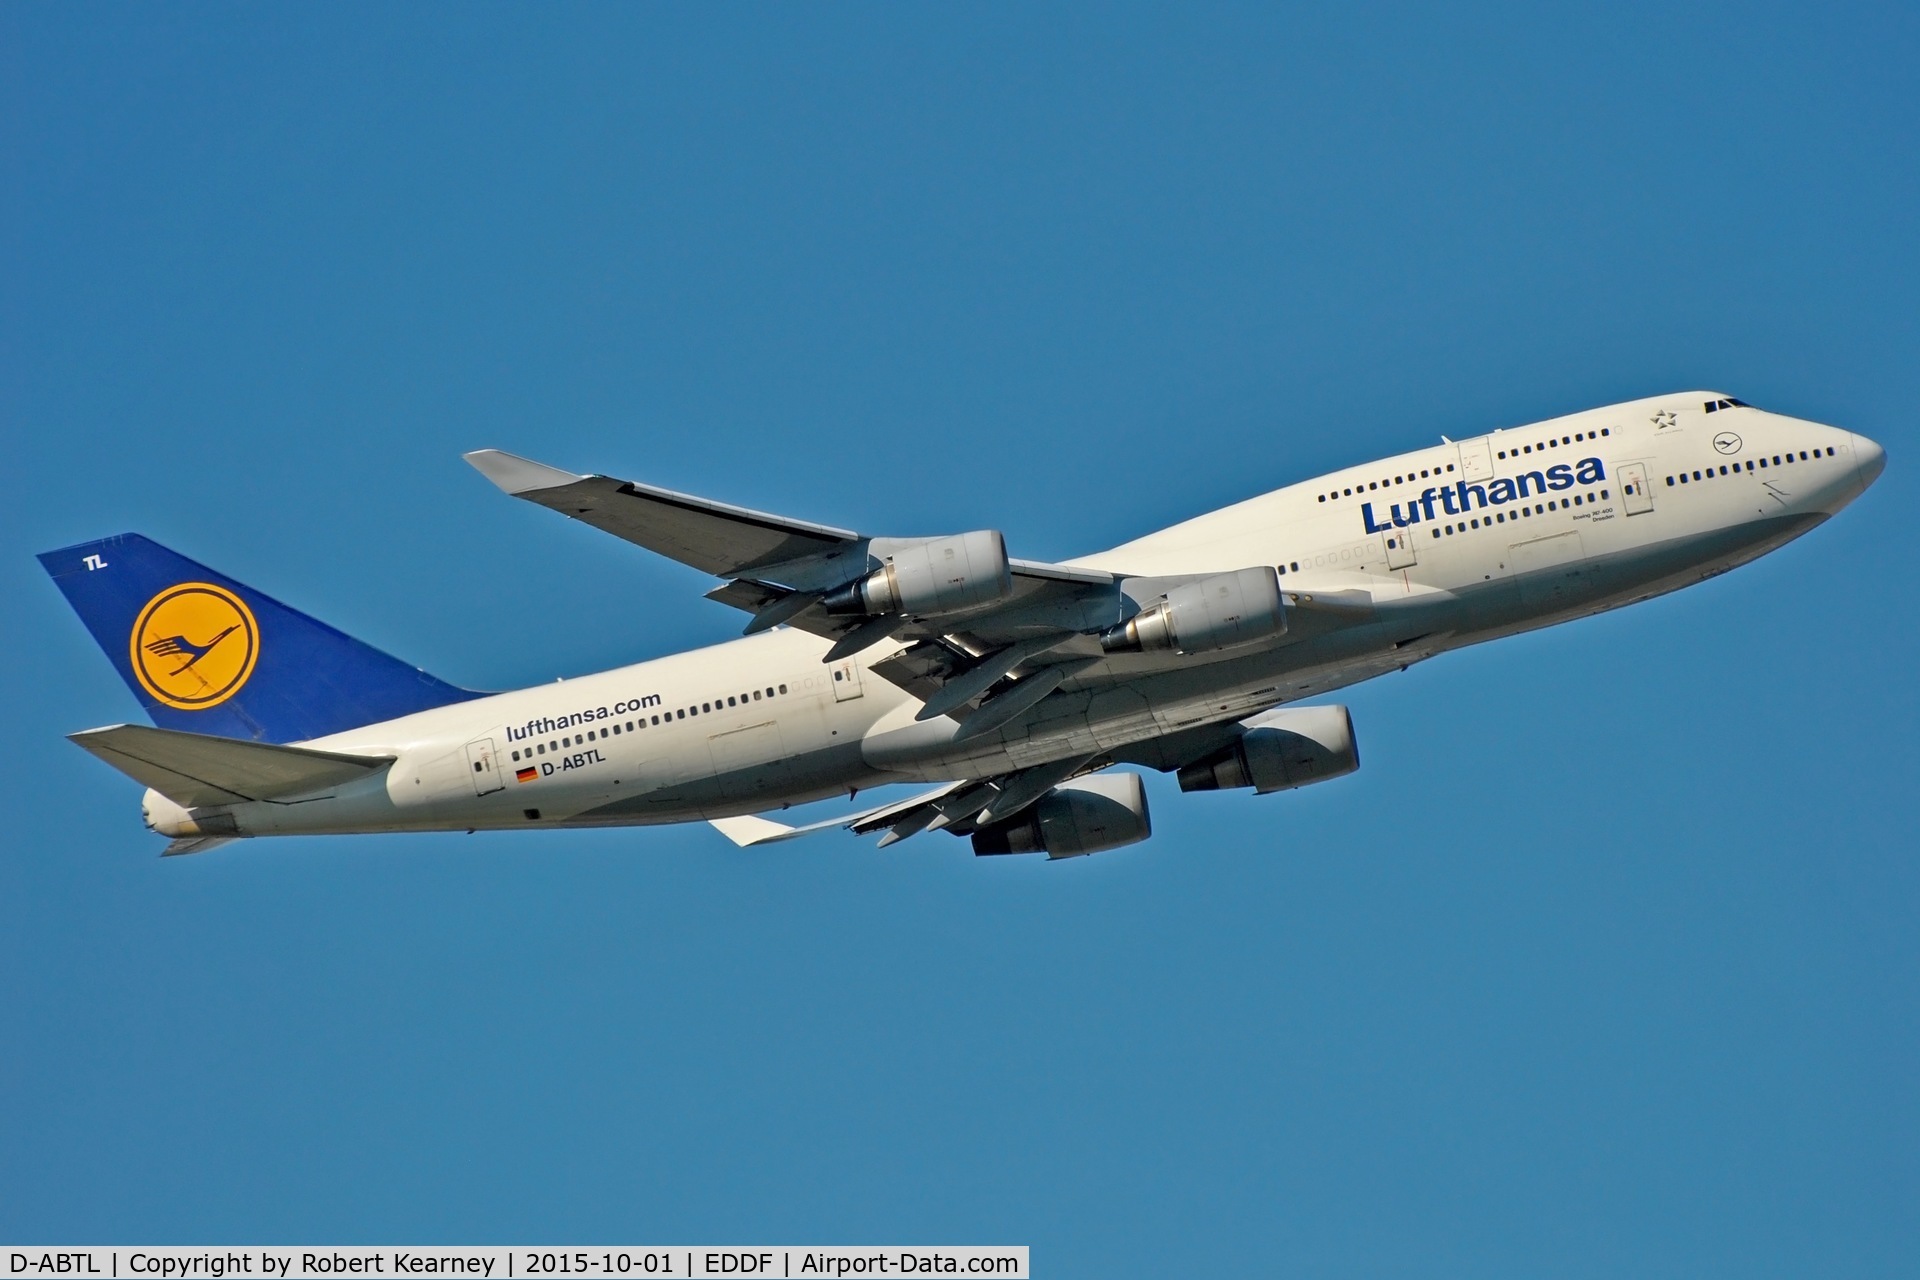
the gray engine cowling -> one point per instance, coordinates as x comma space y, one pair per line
931, 577
1086, 815
1281, 749
1220, 612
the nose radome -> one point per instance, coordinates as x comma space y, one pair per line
1869, 459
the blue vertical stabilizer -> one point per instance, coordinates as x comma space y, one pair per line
207, 654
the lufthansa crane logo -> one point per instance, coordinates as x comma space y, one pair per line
195, 645
1727, 442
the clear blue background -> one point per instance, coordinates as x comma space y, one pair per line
1604, 964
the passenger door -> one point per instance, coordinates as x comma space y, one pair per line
483, 766
1633, 489
1400, 552
846, 681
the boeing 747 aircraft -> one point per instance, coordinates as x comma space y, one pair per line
1013, 690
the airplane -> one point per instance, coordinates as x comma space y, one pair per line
1014, 691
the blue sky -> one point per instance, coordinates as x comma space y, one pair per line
1604, 963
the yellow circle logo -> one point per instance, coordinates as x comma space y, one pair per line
195, 645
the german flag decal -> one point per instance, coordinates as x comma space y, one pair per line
526, 775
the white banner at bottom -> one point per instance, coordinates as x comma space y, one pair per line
509, 1262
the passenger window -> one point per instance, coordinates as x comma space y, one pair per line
756, 695
783, 688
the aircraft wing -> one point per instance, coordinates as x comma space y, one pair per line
983, 659
781, 570
716, 538
959, 807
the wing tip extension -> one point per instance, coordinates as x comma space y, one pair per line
515, 474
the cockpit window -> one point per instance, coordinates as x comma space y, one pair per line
1714, 406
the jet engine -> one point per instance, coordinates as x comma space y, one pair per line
1279, 750
931, 577
1086, 815
1220, 612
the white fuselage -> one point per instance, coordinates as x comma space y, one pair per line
760, 723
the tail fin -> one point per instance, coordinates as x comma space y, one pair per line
205, 654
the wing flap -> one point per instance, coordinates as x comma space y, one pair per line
196, 769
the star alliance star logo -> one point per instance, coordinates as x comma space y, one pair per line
1664, 419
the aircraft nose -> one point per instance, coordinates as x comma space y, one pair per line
1869, 459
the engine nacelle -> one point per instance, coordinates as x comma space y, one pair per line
1280, 750
1221, 612
936, 576
1076, 818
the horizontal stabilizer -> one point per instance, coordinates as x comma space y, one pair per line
194, 769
